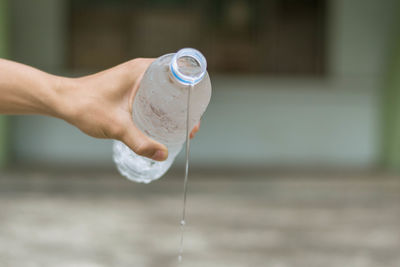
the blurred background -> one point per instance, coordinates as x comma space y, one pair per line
296, 163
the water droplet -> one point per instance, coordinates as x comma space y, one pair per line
183, 222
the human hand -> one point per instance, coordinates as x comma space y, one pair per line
100, 105
195, 129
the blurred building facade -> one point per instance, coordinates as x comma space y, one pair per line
318, 105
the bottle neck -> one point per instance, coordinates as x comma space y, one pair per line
188, 66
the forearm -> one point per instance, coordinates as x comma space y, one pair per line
26, 90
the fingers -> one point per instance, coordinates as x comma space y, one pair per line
194, 130
143, 145
137, 67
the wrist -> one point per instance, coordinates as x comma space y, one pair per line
63, 105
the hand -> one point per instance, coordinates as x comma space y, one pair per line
194, 130
100, 105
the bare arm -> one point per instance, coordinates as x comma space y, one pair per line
25, 90
99, 104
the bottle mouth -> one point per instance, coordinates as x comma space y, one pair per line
188, 66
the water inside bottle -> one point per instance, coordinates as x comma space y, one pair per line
189, 66
183, 222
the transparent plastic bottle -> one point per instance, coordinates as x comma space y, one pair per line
159, 110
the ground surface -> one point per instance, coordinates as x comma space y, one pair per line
49, 219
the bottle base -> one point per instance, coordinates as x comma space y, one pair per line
137, 168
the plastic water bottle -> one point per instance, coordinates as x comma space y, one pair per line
159, 110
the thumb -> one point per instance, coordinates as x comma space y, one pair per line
143, 145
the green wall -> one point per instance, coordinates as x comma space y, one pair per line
3, 54
391, 108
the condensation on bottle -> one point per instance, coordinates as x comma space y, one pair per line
159, 111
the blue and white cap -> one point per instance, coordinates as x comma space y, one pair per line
184, 73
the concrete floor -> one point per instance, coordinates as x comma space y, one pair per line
50, 219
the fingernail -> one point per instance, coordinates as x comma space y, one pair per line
159, 155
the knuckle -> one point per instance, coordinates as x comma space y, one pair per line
142, 149
138, 60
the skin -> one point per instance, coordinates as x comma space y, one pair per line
100, 105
